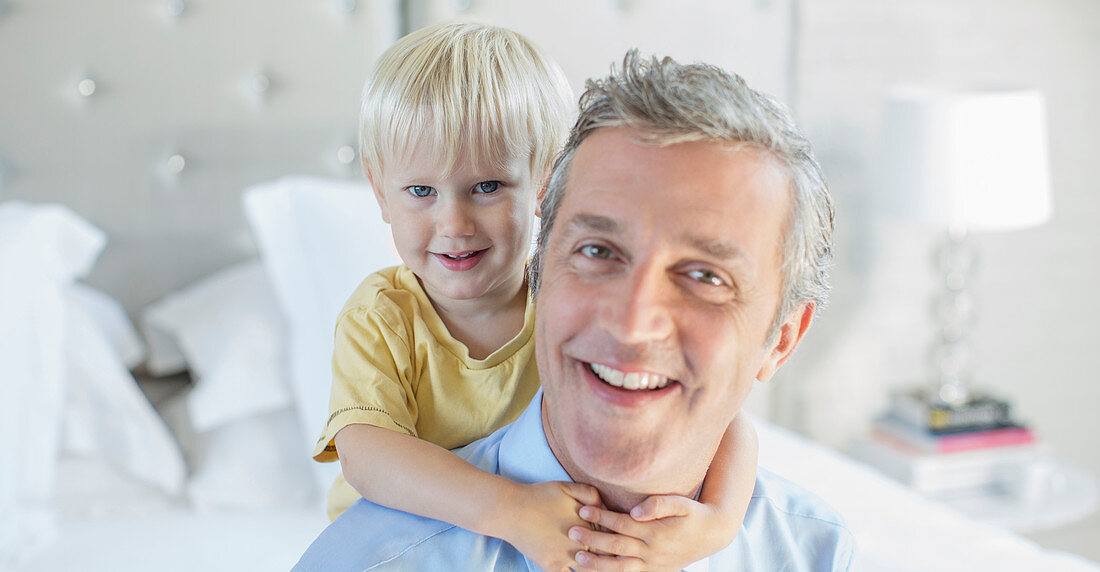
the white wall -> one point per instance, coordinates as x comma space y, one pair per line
167, 86
586, 36
1036, 340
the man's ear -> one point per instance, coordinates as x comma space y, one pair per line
538, 201
379, 196
790, 333
542, 193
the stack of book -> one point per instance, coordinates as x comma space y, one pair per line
939, 450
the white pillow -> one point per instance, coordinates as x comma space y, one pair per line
245, 441
111, 319
43, 248
231, 333
319, 239
164, 356
106, 412
248, 463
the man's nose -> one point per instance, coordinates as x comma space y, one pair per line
638, 308
453, 220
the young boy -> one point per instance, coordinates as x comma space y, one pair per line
459, 127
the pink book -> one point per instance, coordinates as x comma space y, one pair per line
955, 442
982, 439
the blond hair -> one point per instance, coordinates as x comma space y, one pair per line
478, 92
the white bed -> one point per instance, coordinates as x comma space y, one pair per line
234, 490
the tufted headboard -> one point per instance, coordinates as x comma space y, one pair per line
150, 117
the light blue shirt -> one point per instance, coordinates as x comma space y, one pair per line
785, 528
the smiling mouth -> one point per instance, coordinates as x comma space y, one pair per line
633, 381
462, 255
460, 261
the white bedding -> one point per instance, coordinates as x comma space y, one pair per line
111, 524
894, 529
64, 382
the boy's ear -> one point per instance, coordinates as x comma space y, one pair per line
786, 340
379, 196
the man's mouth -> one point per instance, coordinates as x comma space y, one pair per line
634, 381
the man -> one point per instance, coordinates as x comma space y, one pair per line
685, 240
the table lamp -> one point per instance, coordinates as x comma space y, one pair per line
964, 162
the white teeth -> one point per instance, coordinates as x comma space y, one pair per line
631, 381
461, 256
611, 376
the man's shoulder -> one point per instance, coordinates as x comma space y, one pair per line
794, 501
785, 522
392, 534
368, 536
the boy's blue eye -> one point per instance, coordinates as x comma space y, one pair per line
421, 190
487, 187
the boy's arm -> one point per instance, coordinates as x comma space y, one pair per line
732, 474
668, 532
418, 477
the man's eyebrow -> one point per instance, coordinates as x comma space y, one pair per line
716, 248
594, 222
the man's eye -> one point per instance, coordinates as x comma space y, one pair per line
596, 251
487, 187
706, 277
421, 191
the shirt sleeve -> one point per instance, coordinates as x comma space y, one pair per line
371, 379
847, 554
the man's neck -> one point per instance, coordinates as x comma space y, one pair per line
621, 497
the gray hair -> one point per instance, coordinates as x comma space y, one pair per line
672, 103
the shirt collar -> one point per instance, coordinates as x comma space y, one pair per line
525, 455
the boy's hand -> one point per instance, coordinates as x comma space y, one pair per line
664, 532
539, 517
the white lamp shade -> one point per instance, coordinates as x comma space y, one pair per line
969, 160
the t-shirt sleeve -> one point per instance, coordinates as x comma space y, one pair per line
371, 379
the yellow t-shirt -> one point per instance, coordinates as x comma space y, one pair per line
396, 366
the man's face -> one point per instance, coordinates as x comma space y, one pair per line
660, 282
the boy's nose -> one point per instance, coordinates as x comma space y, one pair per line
454, 221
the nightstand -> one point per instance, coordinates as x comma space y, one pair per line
1023, 489
1059, 494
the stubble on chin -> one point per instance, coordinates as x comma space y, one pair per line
624, 470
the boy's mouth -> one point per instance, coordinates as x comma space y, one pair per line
459, 261
461, 256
